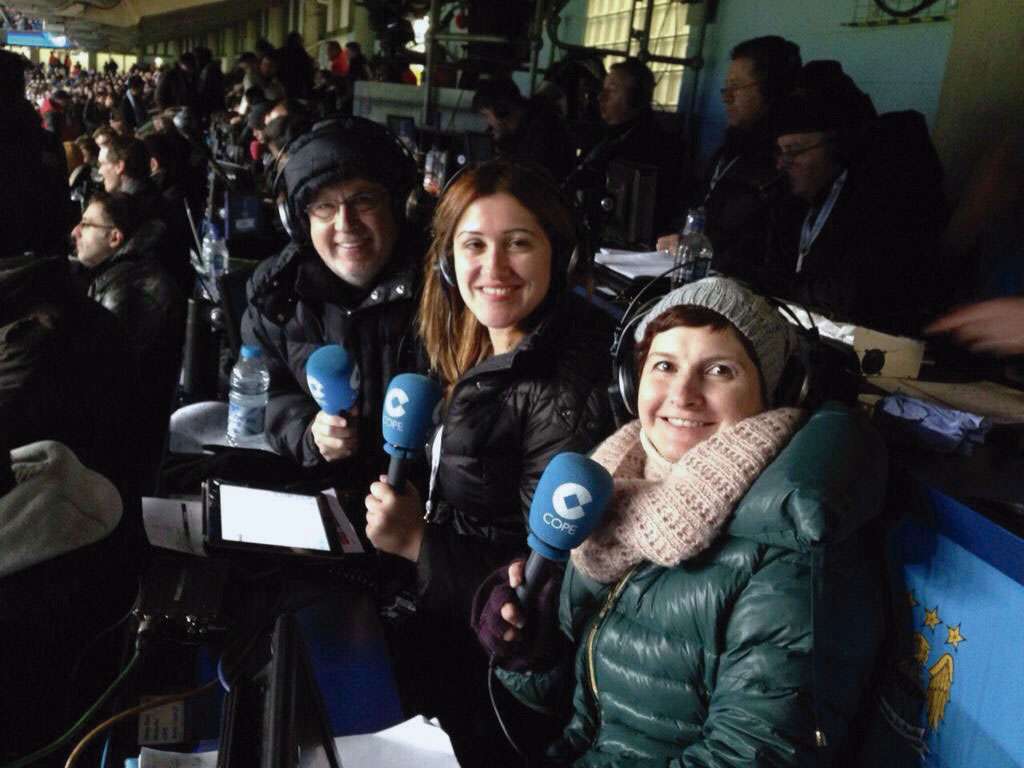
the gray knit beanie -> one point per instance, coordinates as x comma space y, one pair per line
758, 321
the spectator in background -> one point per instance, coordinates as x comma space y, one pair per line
358, 69
133, 108
119, 247
177, 85
338, 59
527, 129
860, 246
209, 86
633, 134
737, 194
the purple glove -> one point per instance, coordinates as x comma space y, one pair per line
539, 645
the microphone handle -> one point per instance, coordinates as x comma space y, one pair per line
536, 564
396, 474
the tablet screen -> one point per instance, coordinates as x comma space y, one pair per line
256, 516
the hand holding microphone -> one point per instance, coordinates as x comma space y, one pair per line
394, 511
568, 504
333, 380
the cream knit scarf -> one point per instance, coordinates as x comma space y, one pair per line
663, 512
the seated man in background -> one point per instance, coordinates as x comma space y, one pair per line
524, 129
118, 248
350, 277
859, 244
125, 167
634, 135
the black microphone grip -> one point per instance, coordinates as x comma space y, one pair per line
396, 474
533, 574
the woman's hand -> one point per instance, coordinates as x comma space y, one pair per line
336, 437
512, 612
394, 523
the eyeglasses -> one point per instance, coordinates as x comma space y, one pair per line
730, 90
787, 155
83, 224
361, 202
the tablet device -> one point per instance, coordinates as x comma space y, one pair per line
238, 518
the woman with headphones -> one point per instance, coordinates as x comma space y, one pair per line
727, 609
524, 364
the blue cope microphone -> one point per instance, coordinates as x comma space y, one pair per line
569, 502
406, 421
333, 379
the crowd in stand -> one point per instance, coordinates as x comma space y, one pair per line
11, 18
701, 623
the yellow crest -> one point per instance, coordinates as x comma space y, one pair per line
940, 680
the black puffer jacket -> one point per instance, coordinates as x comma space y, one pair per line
143, 295
297, 305
506, 419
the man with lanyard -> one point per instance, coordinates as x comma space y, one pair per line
844, 250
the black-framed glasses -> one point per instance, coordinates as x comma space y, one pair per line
361, 202
787, 155
730, 90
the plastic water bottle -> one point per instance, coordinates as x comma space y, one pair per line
247, 400
694, 252
214, 258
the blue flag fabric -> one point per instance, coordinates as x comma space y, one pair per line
964, 581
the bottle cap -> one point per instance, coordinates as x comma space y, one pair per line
250, 350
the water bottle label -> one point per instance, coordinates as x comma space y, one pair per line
245, 420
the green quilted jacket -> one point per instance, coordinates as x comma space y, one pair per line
759, 651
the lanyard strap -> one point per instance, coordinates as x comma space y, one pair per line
810, 231
718, 174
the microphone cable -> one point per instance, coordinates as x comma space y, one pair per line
491, 665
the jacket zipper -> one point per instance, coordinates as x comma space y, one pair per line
612, 598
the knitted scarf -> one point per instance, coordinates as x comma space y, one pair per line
663, 512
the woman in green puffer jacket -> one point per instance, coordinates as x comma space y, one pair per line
729, 608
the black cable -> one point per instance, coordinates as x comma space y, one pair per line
497, 713
904, 14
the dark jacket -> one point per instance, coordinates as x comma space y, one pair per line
739, 655
507, 417
65, 374
738, 193
138, 290
135, 113
296, 305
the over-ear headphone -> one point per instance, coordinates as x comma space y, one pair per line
566, 263
798, 386
381, 149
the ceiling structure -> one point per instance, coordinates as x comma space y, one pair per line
127, 25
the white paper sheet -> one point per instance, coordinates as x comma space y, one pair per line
415, 742
634, 264
174, 524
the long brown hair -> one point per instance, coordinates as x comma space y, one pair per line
454, 339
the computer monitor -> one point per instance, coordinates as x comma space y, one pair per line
632, 189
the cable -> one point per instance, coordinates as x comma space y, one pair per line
53, 746
158, 702
497, 713
904, 14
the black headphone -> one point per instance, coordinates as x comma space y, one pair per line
563, 267
402, 165
798, 385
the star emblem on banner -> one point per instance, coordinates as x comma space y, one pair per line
953, 637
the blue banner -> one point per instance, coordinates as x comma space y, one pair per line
964, 578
